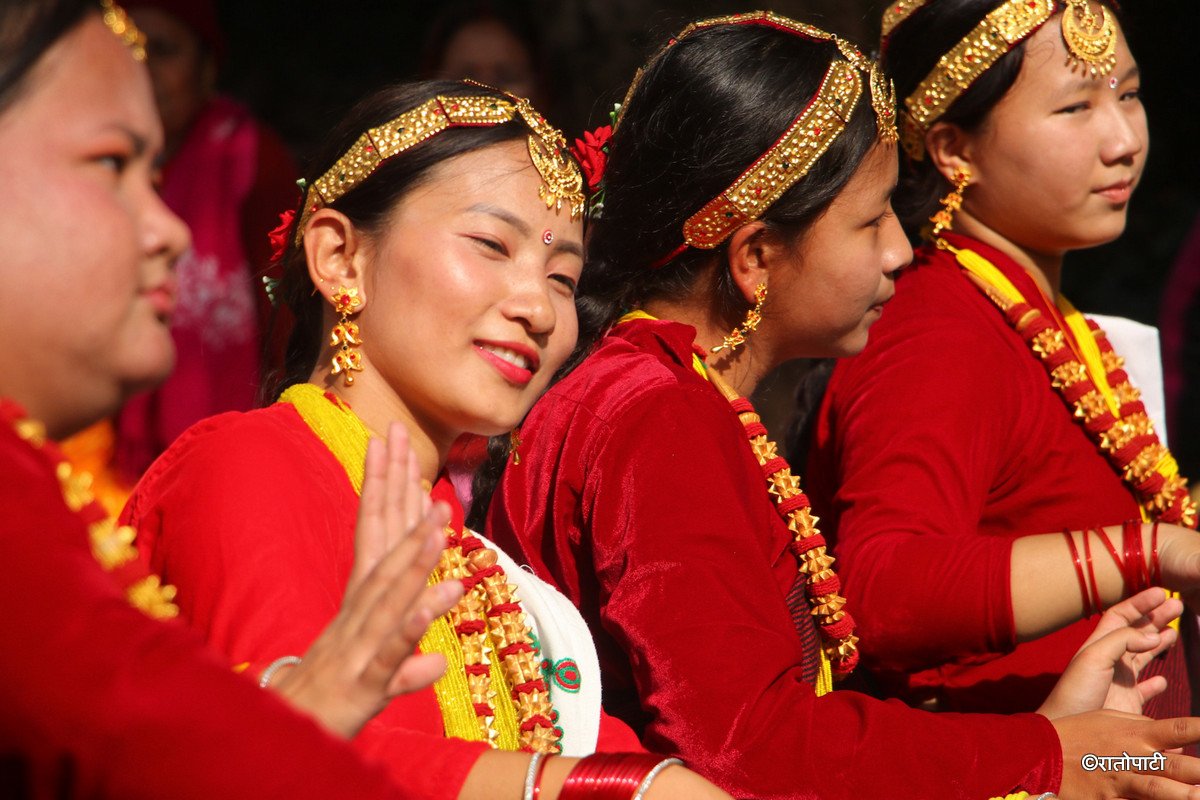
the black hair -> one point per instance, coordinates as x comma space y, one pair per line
367, 205
28, 28
910, 53
704, 110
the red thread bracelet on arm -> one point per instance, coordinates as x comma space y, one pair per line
1083, 588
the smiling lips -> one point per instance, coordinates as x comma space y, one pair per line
514, 361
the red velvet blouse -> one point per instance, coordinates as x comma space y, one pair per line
100, 701
637, 495
934, 449
251, 518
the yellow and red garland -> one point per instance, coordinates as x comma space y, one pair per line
1096, 389
822, 585
111, 544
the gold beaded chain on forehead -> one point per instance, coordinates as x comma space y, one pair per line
563, 183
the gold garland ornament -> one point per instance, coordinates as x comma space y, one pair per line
486, 638
563, 183
1090, 38
111, 544
1090, 377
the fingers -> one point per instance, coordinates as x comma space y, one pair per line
1104, 653
400, 459
1174, 782
1129, 611
1152, 687
402, 572
370, 531
1164, 734
405, 626
1167, 638
417, 672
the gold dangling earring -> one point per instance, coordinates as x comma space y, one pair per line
943, 220
737, 337
345, 335
514, 445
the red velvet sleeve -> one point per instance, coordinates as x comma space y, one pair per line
100, 701
913, 433
690, 576
252, 520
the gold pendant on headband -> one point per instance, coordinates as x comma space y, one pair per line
1091, 39
563, 182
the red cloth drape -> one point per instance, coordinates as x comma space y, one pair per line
100, 701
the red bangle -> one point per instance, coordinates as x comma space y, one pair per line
1087, 555
609, 776
1083, 589
1112, 551
1137, 573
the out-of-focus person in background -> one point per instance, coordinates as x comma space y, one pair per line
225, 175
1179, 324
490, 42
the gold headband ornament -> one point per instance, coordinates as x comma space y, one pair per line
795, 152
562, 181
1090, 38
118, 21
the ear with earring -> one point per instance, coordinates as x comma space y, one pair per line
737, 337
943, 220
345, 336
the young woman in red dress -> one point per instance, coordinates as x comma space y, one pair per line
990, 474
431, 271
100, 697
746, 221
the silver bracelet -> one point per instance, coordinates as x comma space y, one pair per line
644, 786
264, 680
531, 774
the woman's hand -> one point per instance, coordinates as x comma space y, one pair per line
1104, 673
365, 657
1112, 733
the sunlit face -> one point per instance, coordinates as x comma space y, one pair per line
842, 269
470, 294
86, 288
1057, 159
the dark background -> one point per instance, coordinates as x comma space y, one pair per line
300, 63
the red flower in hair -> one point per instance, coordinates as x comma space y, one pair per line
280, 236
591, 153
